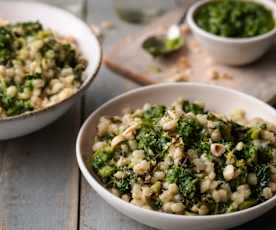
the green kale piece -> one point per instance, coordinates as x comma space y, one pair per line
204, 147
225, 129
154, 141
63, 54
33, 76
255, 154
79, 68
18, 106
12, 105
250, 154
186, 180
26, 28
219, 166
173, 174
190, 130
221, 207
238, 132
29, 81
153, 114
124, 184
188, 186
6, 46
263, 174
247, 204
107, 171
156, 204
264, 154
107, 137
192, 107
101, 157
254, 133
67, 56
231, 131
213, 206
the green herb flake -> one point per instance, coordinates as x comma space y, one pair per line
234, 18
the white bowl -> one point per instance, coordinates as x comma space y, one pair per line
216, 99
63, 23
232, 51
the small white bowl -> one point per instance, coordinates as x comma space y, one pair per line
217, 99
232, 51
65, 24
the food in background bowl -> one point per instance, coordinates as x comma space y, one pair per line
183, 159
67, 26
235, 18
38, 67
234, 32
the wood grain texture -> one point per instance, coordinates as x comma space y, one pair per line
39, 178
98, 215
127, 58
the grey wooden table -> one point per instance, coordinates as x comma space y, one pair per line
40, 184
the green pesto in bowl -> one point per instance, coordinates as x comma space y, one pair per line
235, 18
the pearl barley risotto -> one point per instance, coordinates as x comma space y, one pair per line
185, 160
38, 68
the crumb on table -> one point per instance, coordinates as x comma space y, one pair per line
183, 75
216, 75
183, 62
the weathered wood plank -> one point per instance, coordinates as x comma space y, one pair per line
39, 178
98, 215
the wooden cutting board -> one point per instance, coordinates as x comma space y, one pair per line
191, 64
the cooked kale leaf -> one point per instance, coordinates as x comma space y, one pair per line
154, 141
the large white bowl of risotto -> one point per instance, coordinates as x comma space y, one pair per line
182, 156
48, 57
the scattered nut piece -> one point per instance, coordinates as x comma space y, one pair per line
106, 25
213, 74
184, 29
180, 76
216, 75
217, 149
194, 46
183, 62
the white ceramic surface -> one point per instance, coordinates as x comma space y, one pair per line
65, 24
233, 51
216, 99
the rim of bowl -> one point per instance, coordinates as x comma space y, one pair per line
96, 185
191, 22
85, 84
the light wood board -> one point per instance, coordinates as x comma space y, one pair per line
127, 58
